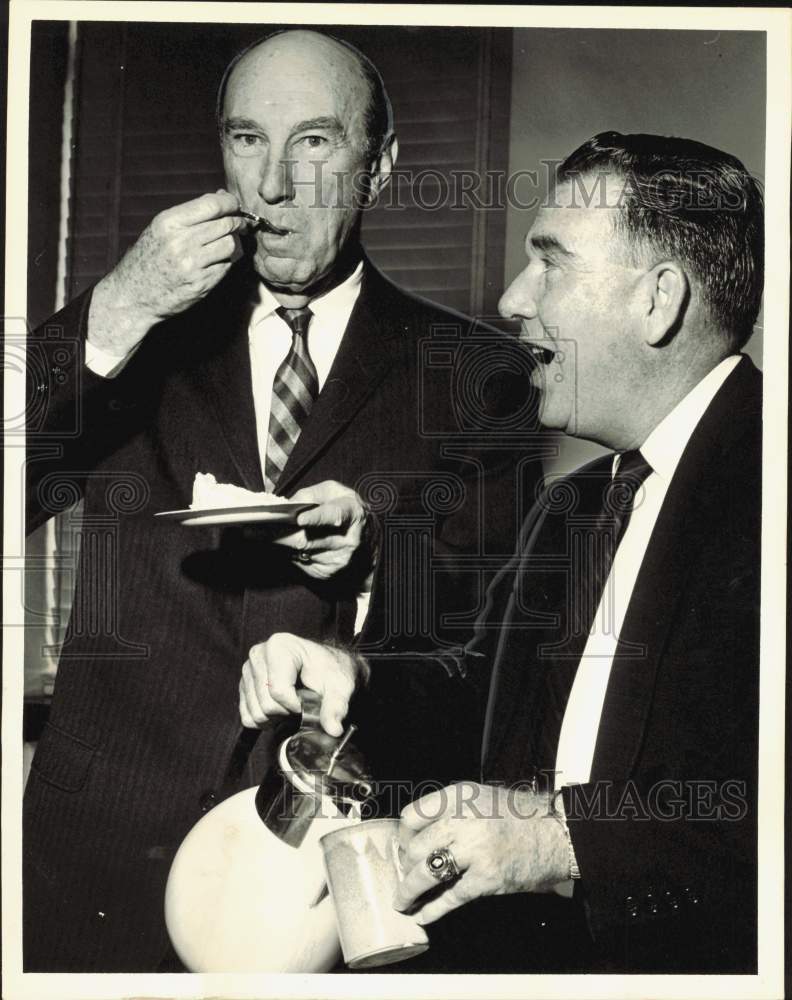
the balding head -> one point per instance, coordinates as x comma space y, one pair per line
300, 152
339, 65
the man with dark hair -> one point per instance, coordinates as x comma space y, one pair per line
245, 334
670, 182
619, 651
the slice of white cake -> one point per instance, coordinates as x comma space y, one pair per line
208, 493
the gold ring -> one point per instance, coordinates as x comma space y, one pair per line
441, 864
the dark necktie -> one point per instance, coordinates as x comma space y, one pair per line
294, 390
584, 596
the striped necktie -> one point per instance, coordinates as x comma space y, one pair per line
294, 390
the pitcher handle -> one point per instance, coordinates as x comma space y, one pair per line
311, 704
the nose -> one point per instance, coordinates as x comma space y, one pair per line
519, 299
276, 183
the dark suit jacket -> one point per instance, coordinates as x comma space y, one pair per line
144, 722
665, 831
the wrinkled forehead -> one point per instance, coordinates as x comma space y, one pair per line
298, 73
581, 212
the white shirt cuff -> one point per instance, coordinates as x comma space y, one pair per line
103, 364
567, 887
363, 601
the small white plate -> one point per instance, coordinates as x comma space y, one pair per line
273, 513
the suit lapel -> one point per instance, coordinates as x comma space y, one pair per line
539, 616
367, 352
689, 510
657, 591
225, 375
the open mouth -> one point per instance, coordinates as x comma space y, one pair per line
542, 354
259, 222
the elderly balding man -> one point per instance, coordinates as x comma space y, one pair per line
245, 334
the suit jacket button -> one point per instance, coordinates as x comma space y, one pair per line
207, 801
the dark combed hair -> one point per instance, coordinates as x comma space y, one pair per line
379, 113
691, 203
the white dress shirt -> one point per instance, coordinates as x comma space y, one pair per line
662, 450
269, 340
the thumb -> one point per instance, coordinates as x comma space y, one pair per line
327, 674
336, 514
332, 713
335, 705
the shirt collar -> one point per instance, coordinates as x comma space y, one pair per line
664, 446
336, 299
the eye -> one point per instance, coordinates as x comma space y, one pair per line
245, 143
314, 141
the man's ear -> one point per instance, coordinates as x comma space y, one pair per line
382, 167
667, 293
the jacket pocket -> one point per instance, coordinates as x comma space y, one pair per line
62, 760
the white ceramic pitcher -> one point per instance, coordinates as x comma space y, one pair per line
246, 891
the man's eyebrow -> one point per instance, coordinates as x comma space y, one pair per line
328, 123
549, 244
241, 123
